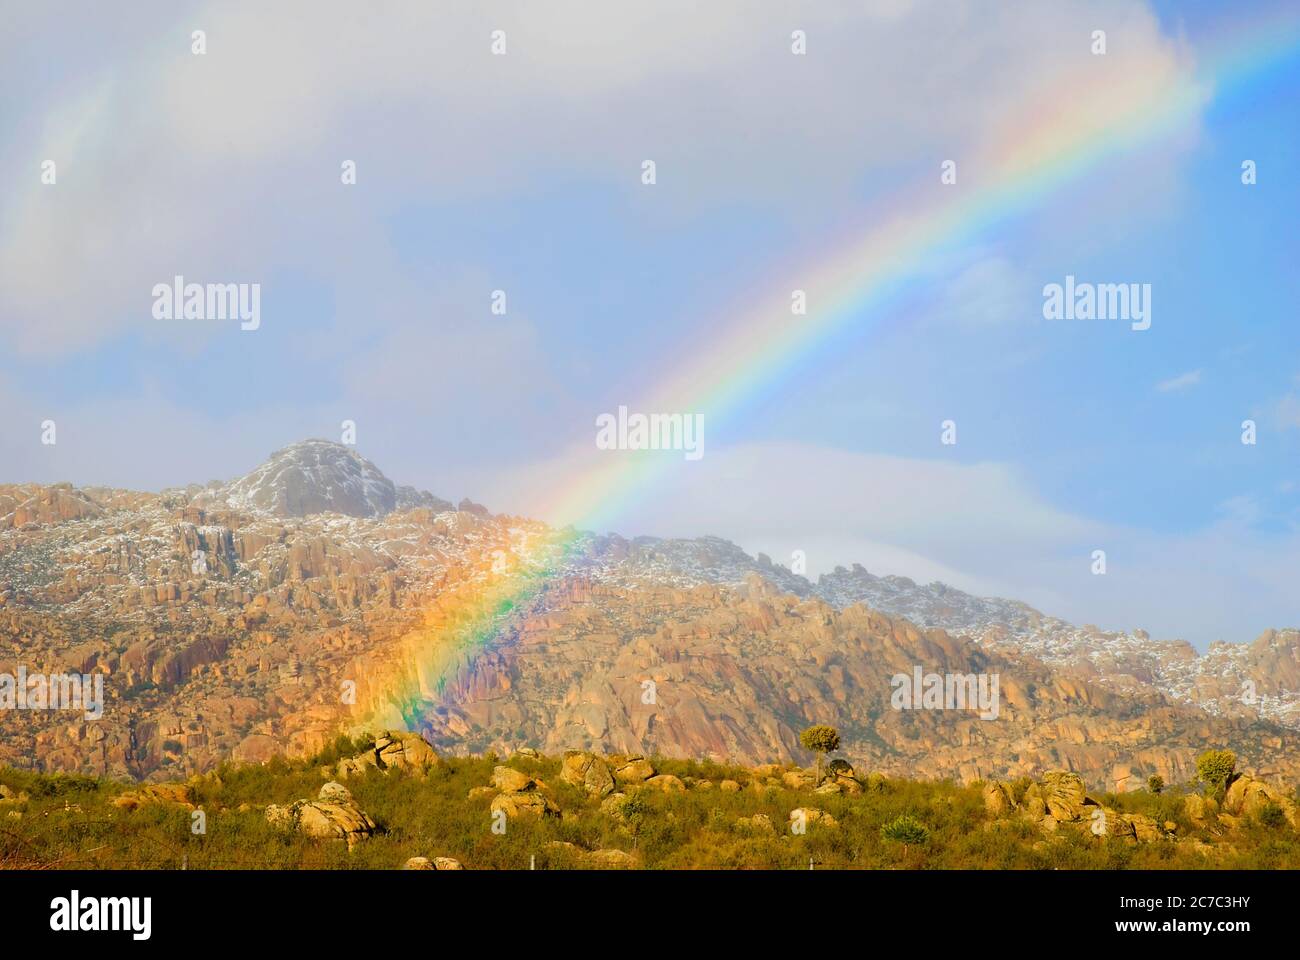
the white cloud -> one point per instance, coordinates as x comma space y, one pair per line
978, 527
969, 524
226, 165
1181, 382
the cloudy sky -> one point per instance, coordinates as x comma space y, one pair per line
523, 172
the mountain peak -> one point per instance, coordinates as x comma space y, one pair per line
312, 476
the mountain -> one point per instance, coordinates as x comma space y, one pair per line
1231, 679
227, 619
317, 476
739, 672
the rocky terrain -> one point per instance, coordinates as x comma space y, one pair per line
264, 615
1258, 679
393, 802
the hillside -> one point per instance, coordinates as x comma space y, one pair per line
227, 619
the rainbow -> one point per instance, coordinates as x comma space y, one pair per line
1035, 154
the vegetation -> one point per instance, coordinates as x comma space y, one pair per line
905, 829
1155, 783
1215, 768
1271, 816
821, 740
70, 821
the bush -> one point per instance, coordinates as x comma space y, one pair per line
1215, 767
905, 829
1270, 815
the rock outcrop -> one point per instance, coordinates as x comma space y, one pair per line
588, 771
173, 794
437, 863
1249, 797
1061, 800
508, 780
631, 770
517, 794
392, 750
333, 815
602, 859
527, 804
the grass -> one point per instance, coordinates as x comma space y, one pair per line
70, 821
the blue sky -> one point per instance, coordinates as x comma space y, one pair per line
521, 173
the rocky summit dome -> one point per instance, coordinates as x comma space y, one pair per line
313, 476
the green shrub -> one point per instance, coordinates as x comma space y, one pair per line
905, 829
1215, 768
1270, 815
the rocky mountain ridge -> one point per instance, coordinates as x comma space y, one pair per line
1231, 679
225, 619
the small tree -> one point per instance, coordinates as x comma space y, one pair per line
1155, 783
1215, 768
634, 810
905, 829
821, 740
